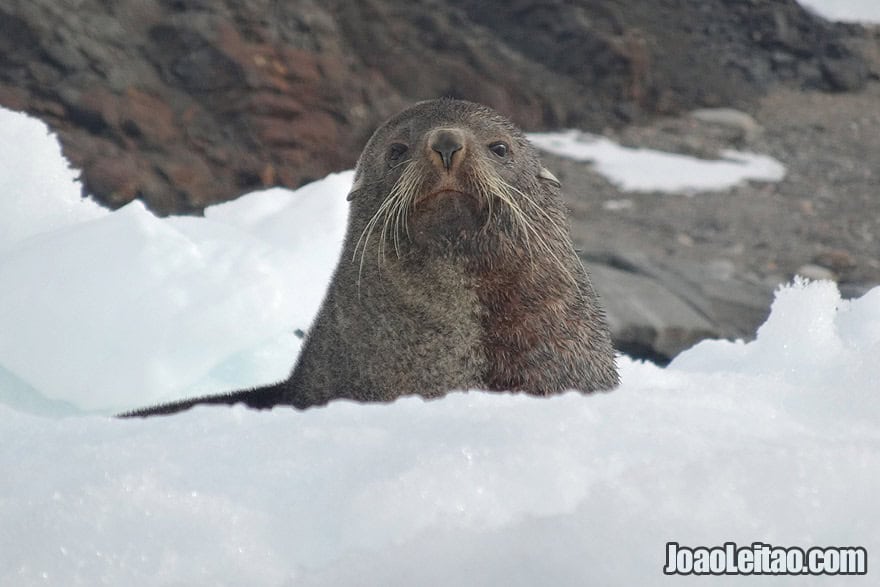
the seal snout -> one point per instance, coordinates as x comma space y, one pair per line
446, 142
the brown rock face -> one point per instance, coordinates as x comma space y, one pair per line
183, 103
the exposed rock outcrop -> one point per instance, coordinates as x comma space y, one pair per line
182, 103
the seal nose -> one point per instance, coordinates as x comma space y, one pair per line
446, 142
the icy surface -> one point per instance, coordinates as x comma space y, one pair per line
647, 170
776, 440
34, 174
773, 441
867, 11
110, 311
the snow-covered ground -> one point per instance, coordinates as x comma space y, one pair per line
774, 441
866, 11
648, 170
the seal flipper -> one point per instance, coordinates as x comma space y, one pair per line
260, 398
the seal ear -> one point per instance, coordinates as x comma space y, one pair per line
355, 188
547, 176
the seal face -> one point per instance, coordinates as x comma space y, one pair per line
457, 272
441, 169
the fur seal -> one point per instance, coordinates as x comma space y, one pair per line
457, 272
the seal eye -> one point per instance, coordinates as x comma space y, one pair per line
396, 151
499, 148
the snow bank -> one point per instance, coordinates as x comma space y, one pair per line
110, 311
647, 170
34, 174
809, 326
774, 441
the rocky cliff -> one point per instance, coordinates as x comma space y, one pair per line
182, 103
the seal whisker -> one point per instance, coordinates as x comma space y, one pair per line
492, 186
409, 203
555, 224
392, 203
408, 183
481, 185
392, 223
388, 212
364, 232
520, 222
505, 192
404, 162
556, 229
367, 232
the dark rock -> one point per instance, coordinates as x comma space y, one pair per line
658, 307
190, 61
115, 175
145, 118
838, 260
844, 75
646, 319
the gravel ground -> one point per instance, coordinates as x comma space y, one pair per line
676, 268
825, 213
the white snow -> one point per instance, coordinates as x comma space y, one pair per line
648, 170
107, 311
773, 441
866, 11
33, 173
776, 440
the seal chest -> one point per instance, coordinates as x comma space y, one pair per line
457, 272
